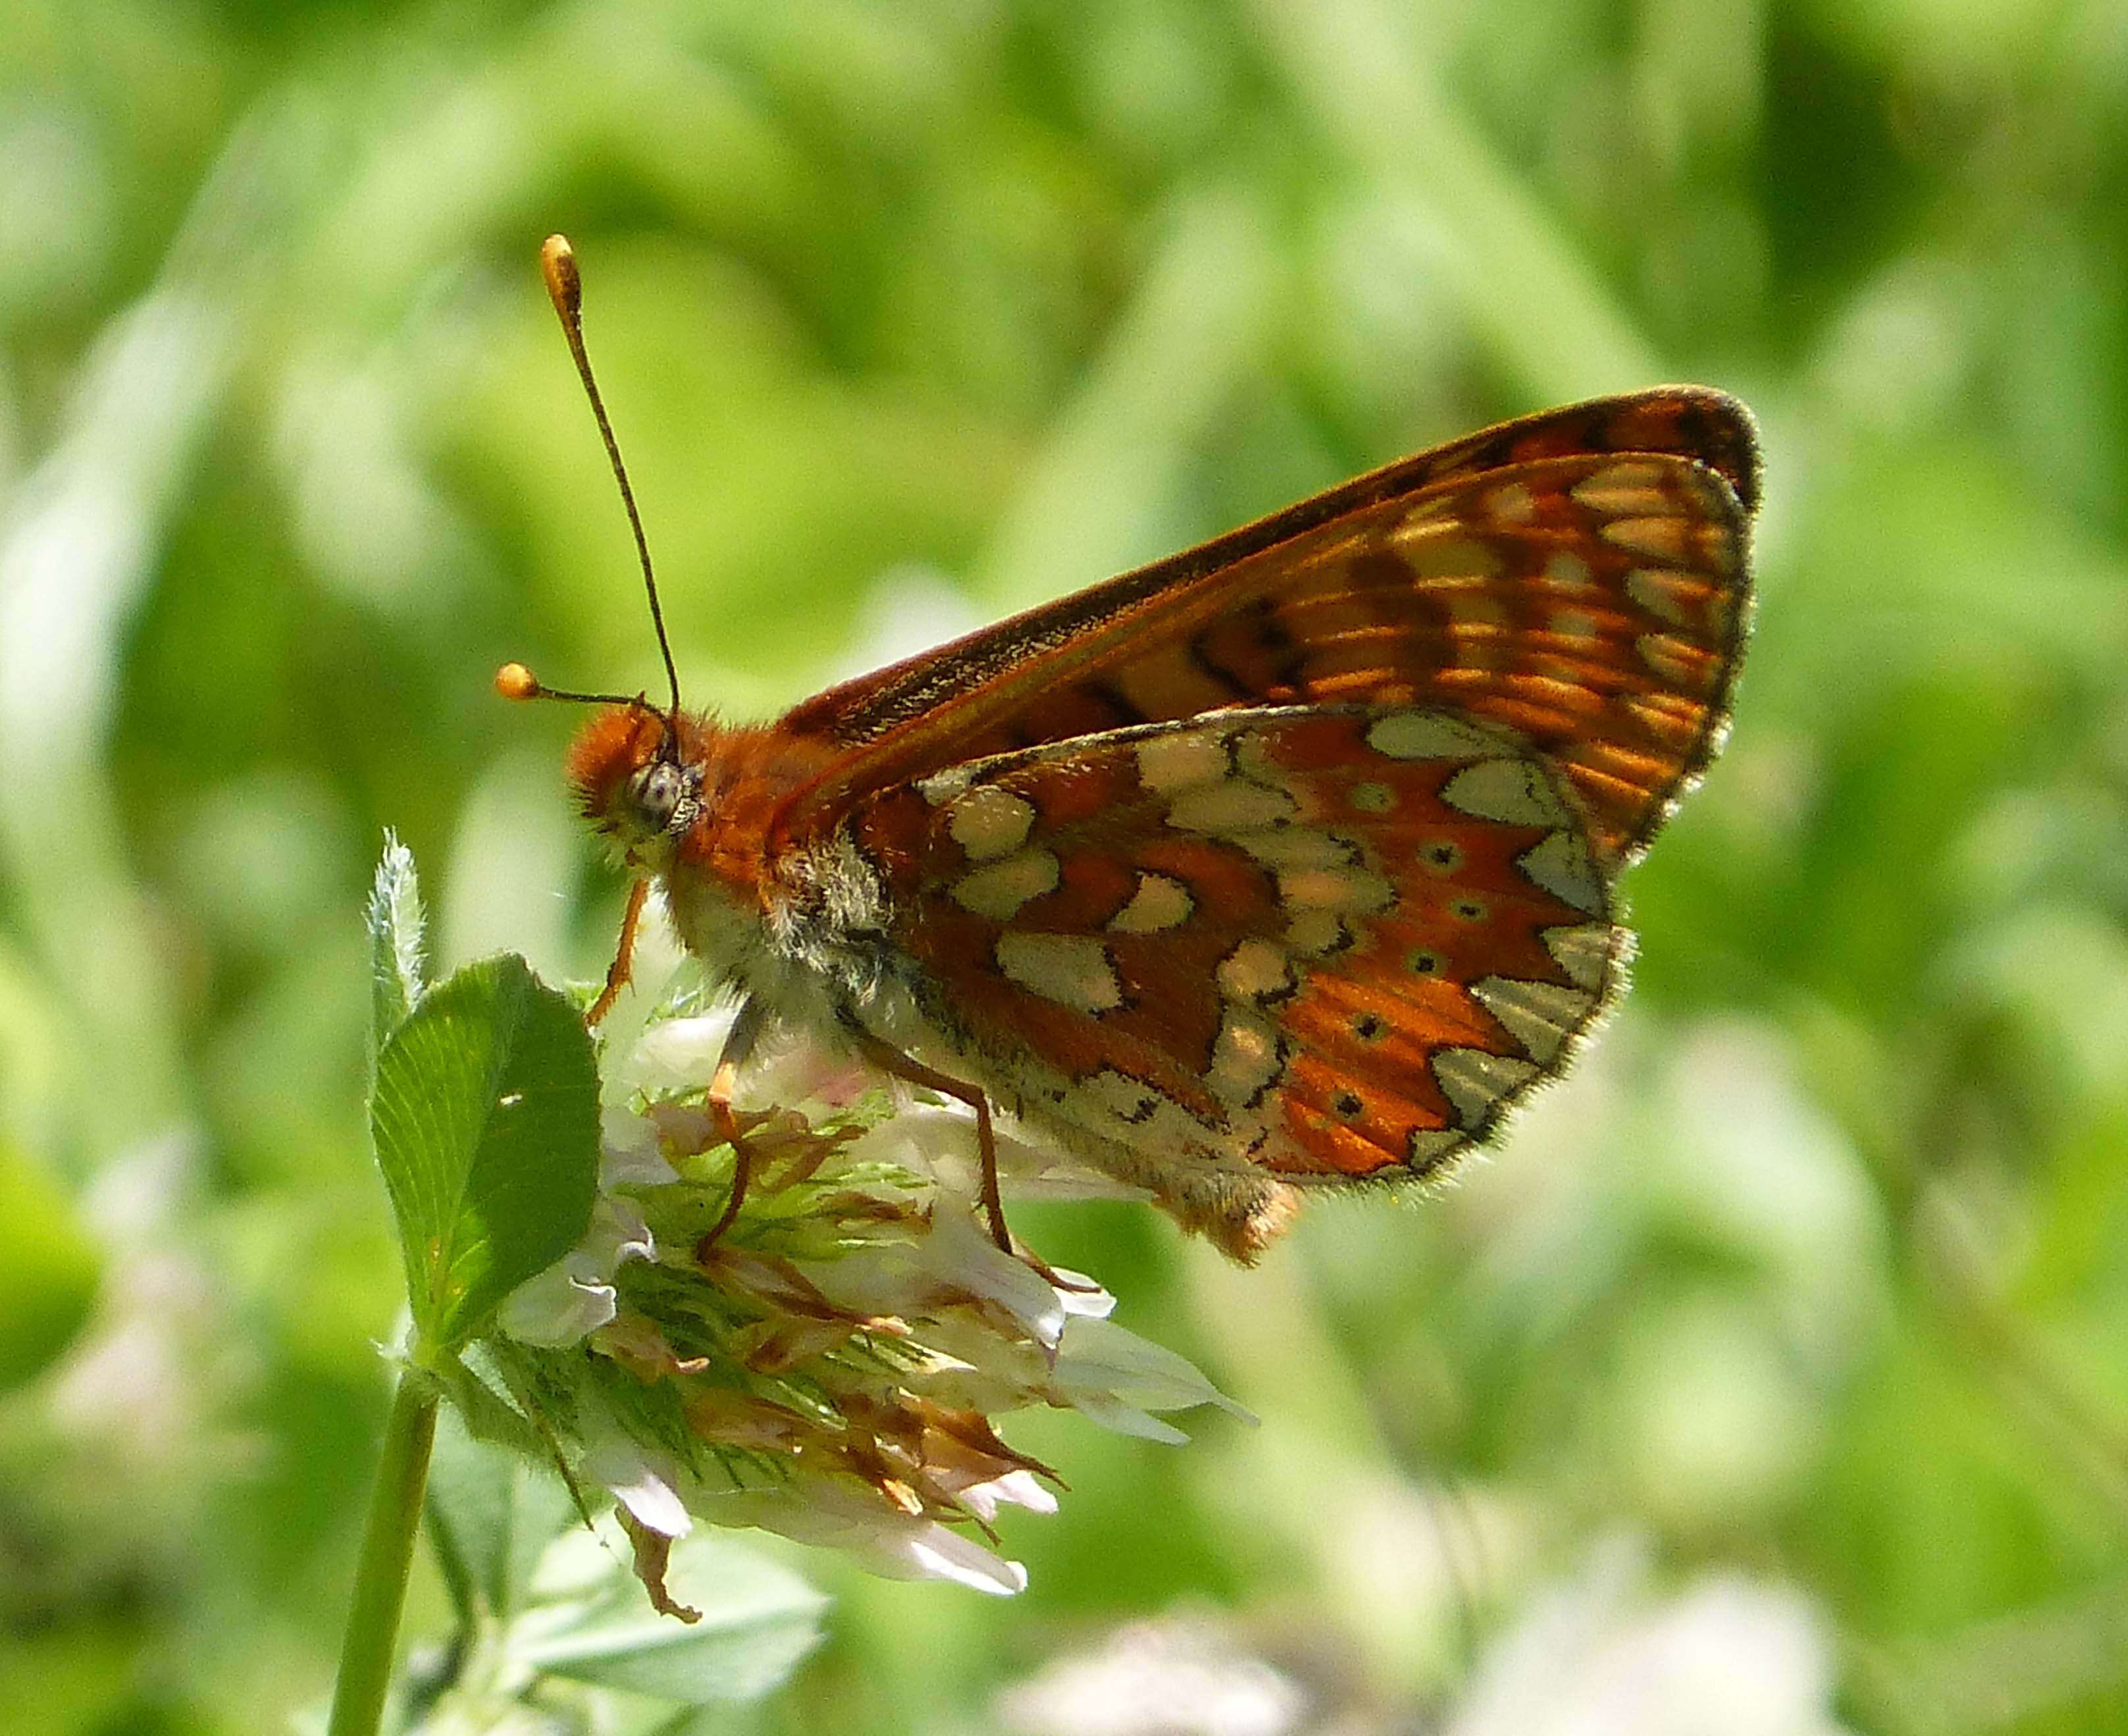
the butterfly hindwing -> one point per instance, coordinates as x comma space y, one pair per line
1328, 941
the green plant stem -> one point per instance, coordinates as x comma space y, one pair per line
388, 1552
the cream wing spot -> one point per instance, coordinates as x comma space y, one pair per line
1667, 595
1541, 1016
1562, 866
1583, 951
1228, 807
941, 787
1512, 503
990, 822
1620, 490
1513, 792
1073, 970
1658, 538
1181, 760
1673, 660
1428, 736
1115, 1103
1337, 889
1427, 1146
1251, 756
1256, 970
1246, 1058
1664, 715
1371, 798
1567, 571
1432, 555
998, 889
1158, 903
1317, 933
1474, 1080
1299, 847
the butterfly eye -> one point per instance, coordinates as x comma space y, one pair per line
657, 793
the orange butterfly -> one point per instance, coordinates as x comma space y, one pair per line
1286, 861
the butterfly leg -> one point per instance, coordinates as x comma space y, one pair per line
738, 1045
892, 1061
624, 953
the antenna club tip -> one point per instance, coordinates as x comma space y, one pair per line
557, 264
513, 681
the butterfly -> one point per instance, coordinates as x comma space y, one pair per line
1288, 861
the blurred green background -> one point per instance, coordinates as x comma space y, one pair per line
1779, 1361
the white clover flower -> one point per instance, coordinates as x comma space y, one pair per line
1118, 1379
645, 1485
1178, 1676
831, 1367
1603, 1655
575, 1296
630, 1155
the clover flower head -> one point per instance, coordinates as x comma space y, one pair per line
832, 1367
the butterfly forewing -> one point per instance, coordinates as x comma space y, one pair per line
1580, 576
1328, 941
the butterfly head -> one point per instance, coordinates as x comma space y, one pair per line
635, 780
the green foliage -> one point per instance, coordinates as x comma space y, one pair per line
396, 921
758, 1620
485, 1114
484, 1109
49, 1271
548, 1613
491, 1512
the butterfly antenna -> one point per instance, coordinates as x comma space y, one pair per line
557, 264
513, 681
